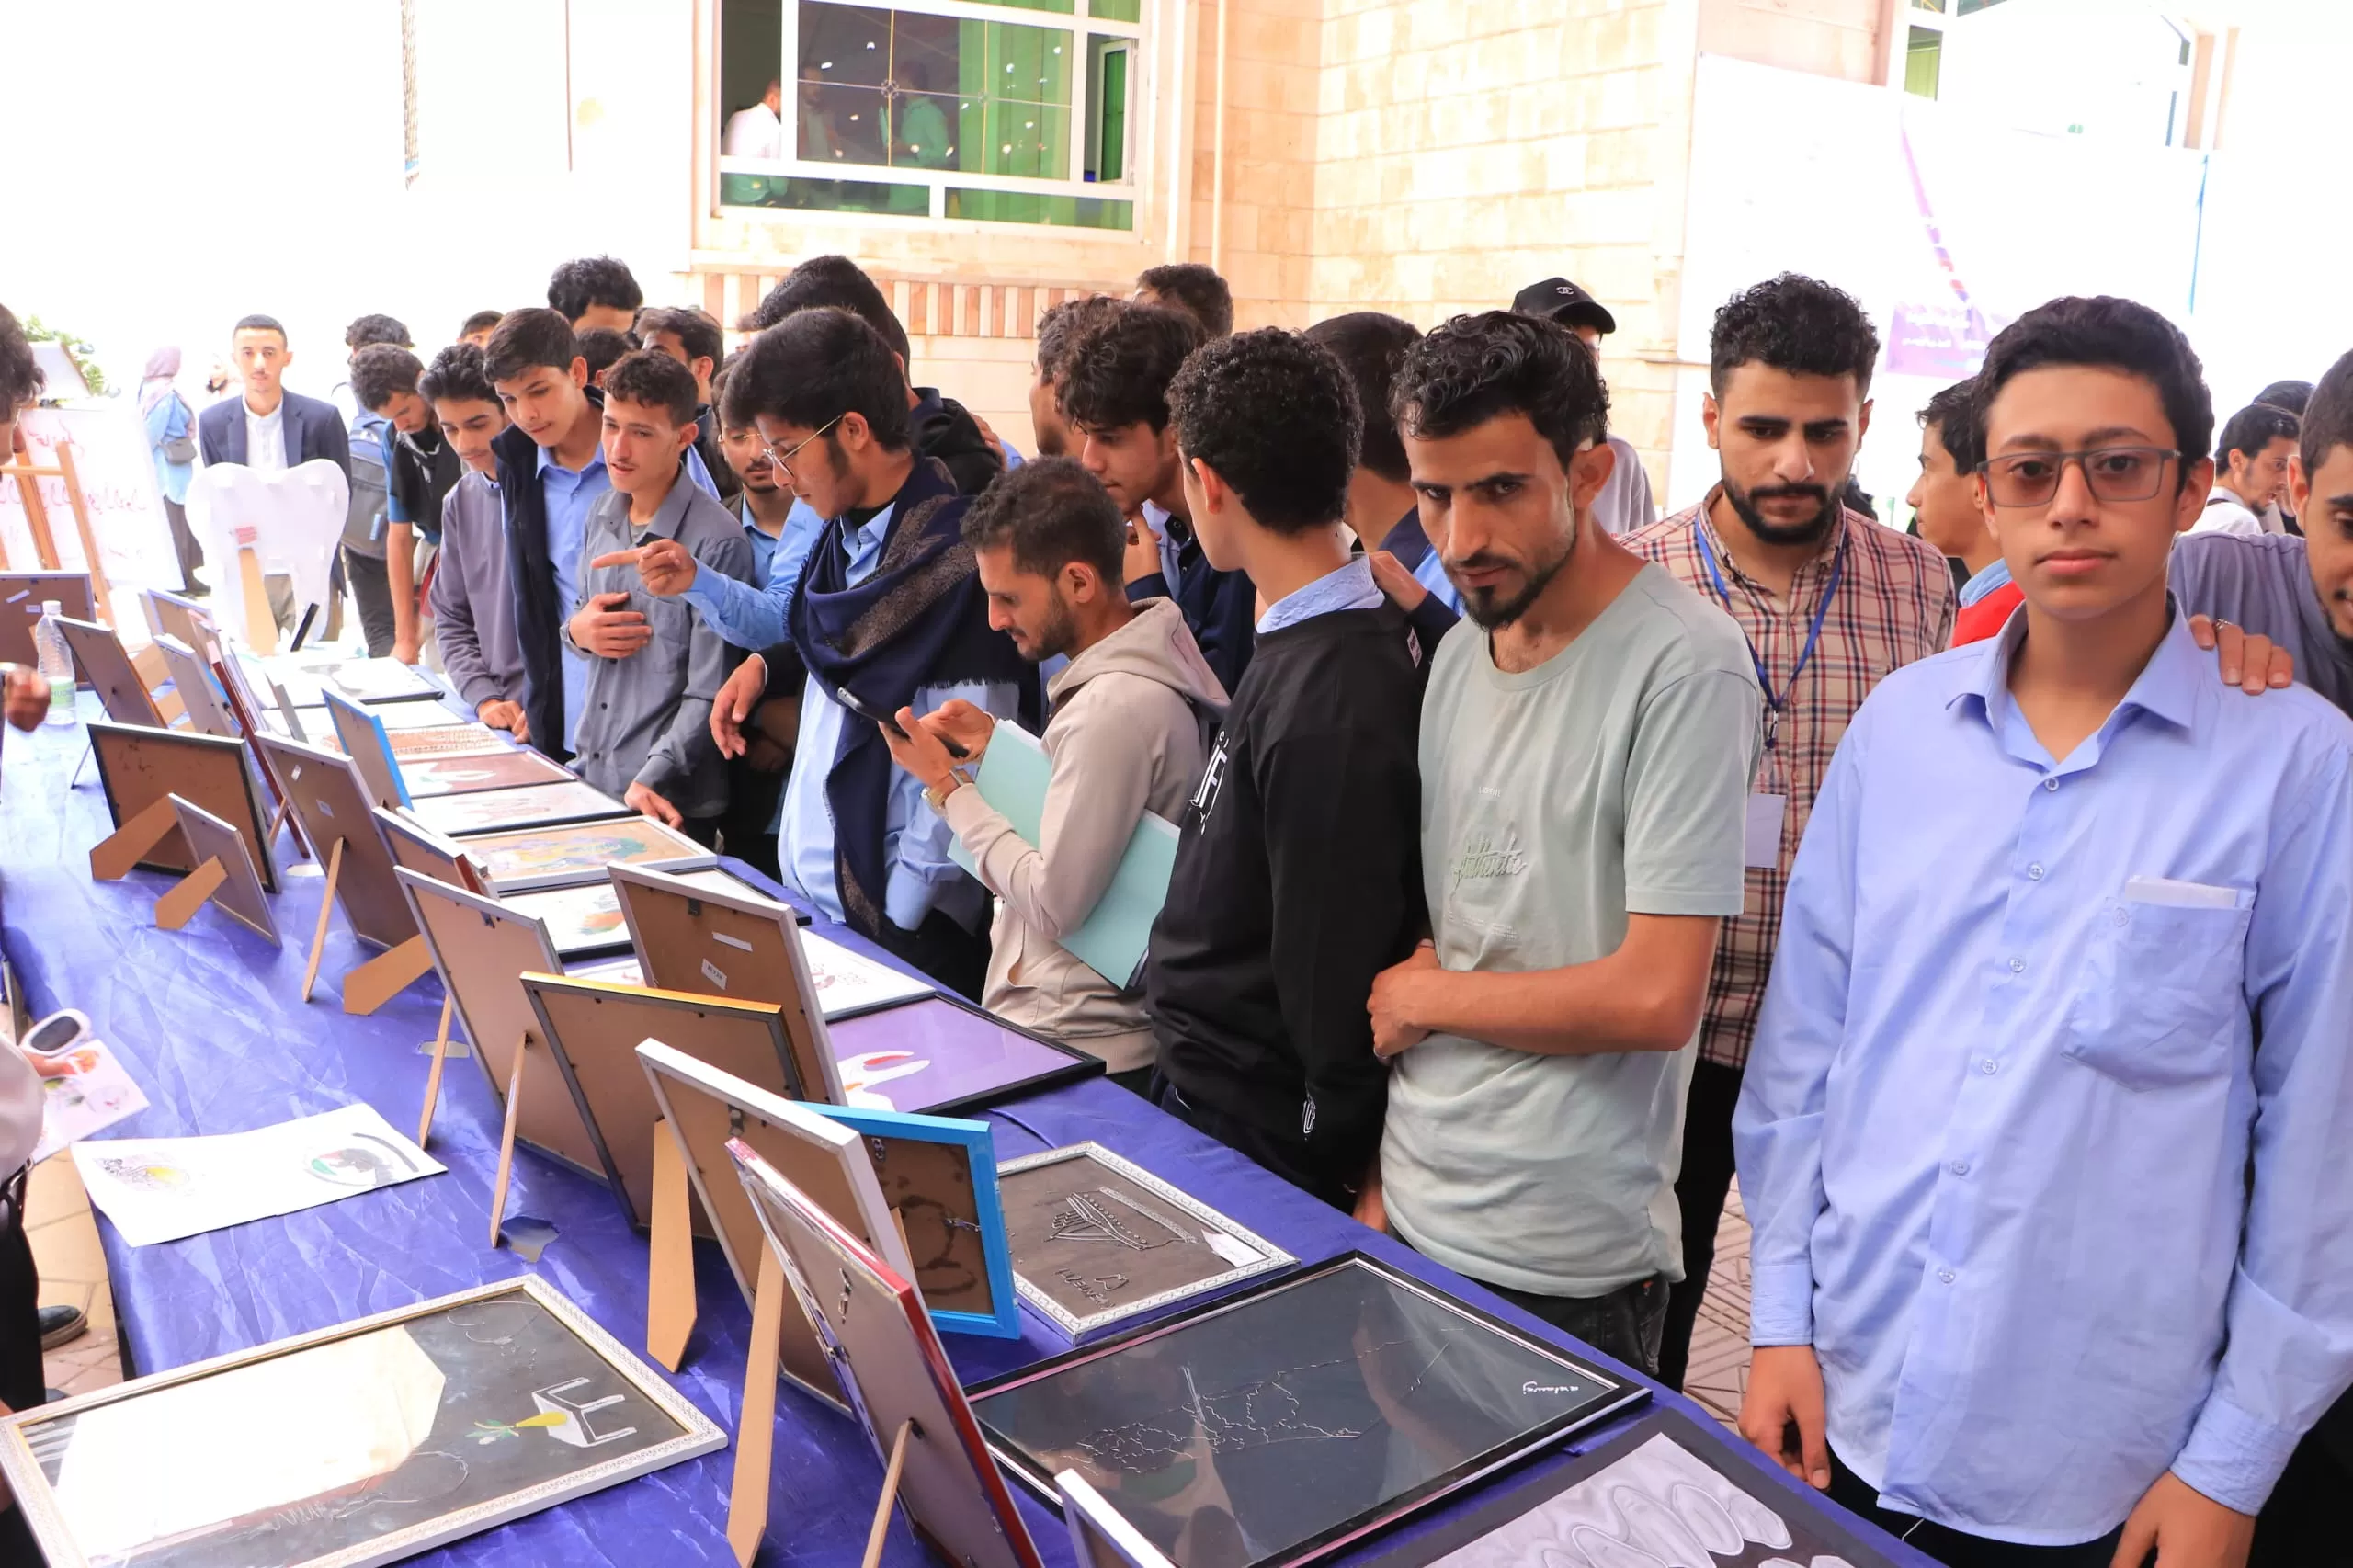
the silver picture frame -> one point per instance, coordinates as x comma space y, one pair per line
20, 1434
1084, 1326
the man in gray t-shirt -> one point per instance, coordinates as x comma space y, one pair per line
1586, 748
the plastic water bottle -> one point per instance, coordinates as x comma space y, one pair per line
56, 661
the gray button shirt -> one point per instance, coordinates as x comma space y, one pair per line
647, 718
474, 616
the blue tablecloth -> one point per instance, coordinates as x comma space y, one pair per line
207, 1021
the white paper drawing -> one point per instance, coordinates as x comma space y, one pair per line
85, 1090
851, 983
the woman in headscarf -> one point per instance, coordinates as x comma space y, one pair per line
171, 433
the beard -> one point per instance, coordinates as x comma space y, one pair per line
1055, 636
1492, 608
1812, 530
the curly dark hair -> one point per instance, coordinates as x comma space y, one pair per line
380, 372
1952, 413
1051, 511
603, 349
1798, 326
815, 367
457, 375
2327, 422
1477, 367
377, 329
2113, 334
1275, 415
20, 377
527, 337
1197, 290
1060, 329
1370, 346
1119, 370
592, 280
481, 321
835, 281
695, 333
2252, 429
651, 378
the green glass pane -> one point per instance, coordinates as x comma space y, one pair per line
1923, 61
1021, 206
1064, 6
824, 195
1111, 160
1032, 140
1117, 10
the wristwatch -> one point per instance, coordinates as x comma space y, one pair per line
937, 795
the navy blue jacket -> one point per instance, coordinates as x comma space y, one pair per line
1220, 607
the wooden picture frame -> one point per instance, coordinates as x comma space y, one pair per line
236, 889
517, 810
21, 596
481, 950
894, 1375
141, 767
426, 853
579, 852
106, 666
594, 1028
326, 795
577, 1412
370, 749
193, 684
694, 939
939, 1175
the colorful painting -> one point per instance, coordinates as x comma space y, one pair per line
579, 852
468, 772
497, 811
940, 1058
83, 1090
579, 920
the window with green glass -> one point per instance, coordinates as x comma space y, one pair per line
1924, 61
933, 95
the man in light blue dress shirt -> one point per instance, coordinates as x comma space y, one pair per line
2052, 1264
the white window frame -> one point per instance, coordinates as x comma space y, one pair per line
1078, 25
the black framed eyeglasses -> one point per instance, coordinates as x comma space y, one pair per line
783, 460
2113, 473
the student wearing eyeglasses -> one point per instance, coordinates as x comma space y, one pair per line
2050, 1264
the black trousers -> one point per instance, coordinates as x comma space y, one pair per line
2303, 1524
1285, 1157
746, 831
944, 950
1952, 1548
371, 587
1625, 1323
22, 1386
1700, 1191
184, 545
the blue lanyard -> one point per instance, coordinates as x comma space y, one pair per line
1776, 703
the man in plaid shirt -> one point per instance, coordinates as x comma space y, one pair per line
1830, 602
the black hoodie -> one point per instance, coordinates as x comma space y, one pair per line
945, 429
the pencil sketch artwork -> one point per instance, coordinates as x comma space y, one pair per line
1660, 1507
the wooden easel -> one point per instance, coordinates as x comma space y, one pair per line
29, 480
747, 1492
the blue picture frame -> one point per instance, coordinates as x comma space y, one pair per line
979, 1146
370, 748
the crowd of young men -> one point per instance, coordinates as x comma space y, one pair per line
1938, 888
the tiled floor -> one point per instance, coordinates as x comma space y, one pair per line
1718, 1375
73, 1270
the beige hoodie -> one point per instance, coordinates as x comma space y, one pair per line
1127, 736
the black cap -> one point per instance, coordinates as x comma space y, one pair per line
1563, 302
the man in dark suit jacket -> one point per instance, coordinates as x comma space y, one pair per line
307, 429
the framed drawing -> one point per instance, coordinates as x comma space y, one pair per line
482, 949
240, 894
138, 765
362, 737
193, 683
945, 1056
106, 666
425, 852
849, 983
586, 920
505, 810
1667, 1490
581, 852
1098, 1242
357, 1444
325, 794
21, 596
466, 772
705, 1109
307, 677
893, 1374
691, 936
939, 1178
595, 1028
1172, 1423
1099, 1538
176, 615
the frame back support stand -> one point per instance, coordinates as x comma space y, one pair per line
670, 1279
112, 858
387, 974
183, 898
898, 1465
439, 1049
261, 624
326, 907
507, 1139
747, 1492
